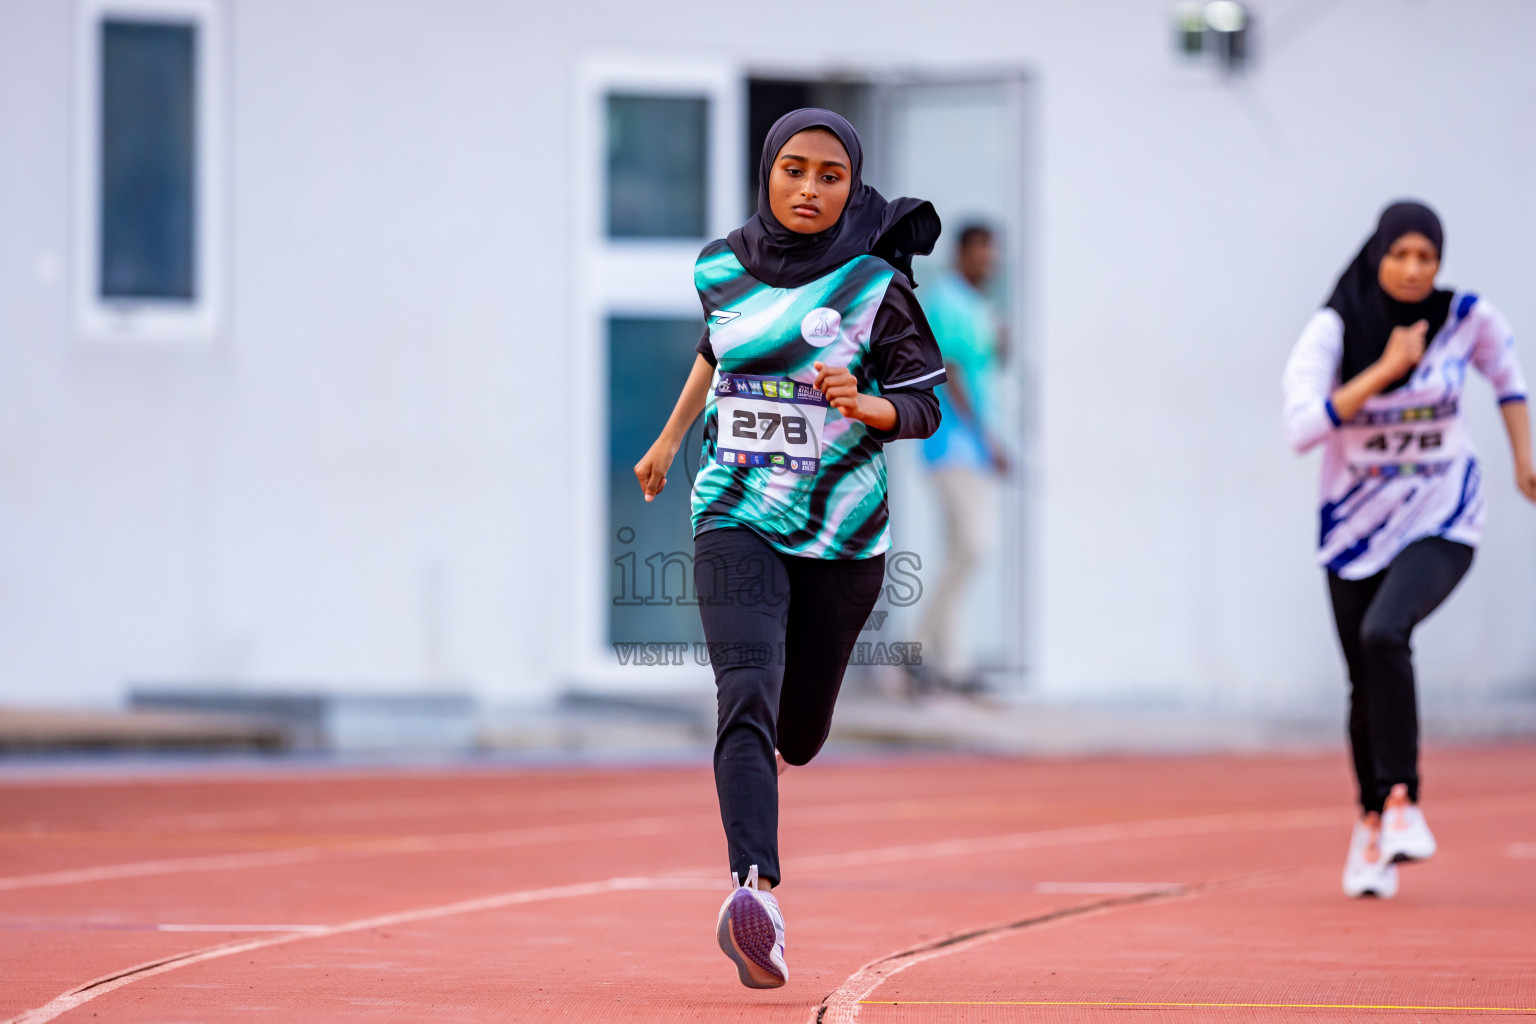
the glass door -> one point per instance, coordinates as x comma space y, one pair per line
960, 142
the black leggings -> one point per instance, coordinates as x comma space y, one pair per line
780, 631
1375, 617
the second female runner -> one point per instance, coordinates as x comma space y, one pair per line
1377, 378
815, 354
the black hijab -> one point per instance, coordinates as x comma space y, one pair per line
1368, 312
895, 231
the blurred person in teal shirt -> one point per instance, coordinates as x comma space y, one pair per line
964, 457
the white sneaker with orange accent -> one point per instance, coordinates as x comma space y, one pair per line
1405, 835
1367, 872
751, 933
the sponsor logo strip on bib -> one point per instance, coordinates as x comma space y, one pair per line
770, 422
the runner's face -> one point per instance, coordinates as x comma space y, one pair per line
808, 187
1407, 271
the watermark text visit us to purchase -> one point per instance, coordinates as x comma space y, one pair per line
665, 579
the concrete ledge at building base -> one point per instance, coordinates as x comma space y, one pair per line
587, 720
584, 722
409, 720
1026, 727
35, 731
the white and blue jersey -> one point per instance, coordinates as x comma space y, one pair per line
1403, 467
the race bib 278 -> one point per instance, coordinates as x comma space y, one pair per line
771, 422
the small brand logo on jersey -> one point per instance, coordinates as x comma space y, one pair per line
724, 316
821, 326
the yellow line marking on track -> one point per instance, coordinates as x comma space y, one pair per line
1207, 1006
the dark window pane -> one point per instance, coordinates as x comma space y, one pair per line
657, 160
148, 170
650, 543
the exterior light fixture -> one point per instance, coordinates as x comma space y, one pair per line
1189, 29
1220, 28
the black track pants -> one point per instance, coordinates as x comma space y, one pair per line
781, 630
1375, 617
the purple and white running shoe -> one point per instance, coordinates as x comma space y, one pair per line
751, 932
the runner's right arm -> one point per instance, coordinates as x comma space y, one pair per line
651, 470
1315, 402
1405, 347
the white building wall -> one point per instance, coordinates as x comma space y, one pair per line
361, 483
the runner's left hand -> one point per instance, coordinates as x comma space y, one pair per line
1525, 479
840, 387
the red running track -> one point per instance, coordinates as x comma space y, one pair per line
1170, 889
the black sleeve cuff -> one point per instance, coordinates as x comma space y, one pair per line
917, 416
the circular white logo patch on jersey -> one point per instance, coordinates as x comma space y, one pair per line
821, 326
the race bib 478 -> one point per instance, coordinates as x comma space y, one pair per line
1420, 441
769, 421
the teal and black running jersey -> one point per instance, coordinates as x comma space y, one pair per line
862, 316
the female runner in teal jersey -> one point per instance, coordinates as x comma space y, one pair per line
815, 354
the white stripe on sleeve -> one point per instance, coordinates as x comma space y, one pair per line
914, 380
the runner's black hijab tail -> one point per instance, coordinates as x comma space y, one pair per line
895, 231
1368, 312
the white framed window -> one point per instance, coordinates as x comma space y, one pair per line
658, 174
149, 174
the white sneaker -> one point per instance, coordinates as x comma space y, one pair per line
1405, 835
751, 932
1367, 872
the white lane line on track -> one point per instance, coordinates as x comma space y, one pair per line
108, 983
842, 1005
1167, 828
1104, 888
685, 878
362, 810
310, 928
459, 842
368, 847
1158, 828
697, 877
599, 831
